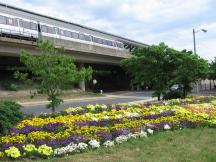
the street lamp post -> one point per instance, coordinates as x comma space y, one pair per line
194, 37
194, 42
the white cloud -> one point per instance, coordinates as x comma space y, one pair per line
162, 10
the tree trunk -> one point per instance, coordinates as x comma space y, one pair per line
159, 97
210, 85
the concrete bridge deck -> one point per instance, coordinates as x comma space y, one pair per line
85, 53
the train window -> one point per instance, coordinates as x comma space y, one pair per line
117, 44
120, 45
87, 37
67, 33
15, 22
61, 32
26, 24
113, 44
56, 30
44, 28
2, 19
9, 21
105, 42
50, 30
95, 39
110, 43
100, 41
20, 23
82, 36
33, 26
75, 35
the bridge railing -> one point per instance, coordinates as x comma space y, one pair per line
22, 35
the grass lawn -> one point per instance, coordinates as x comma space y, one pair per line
188, 145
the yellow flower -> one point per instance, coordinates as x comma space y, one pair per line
45, 150
29, 148
40, 135
13, 152
18, 138
1, 154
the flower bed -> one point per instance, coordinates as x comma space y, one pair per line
82, 128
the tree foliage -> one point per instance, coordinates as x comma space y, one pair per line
213, 70
53, 70
160, 67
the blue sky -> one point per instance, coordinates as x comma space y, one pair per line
148, 21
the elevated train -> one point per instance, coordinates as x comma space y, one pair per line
17, 27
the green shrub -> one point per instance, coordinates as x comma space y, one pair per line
10, 86
9, 115
173, 95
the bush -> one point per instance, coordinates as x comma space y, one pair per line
9, 115
173, 94
10, 86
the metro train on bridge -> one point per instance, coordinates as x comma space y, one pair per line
17, 27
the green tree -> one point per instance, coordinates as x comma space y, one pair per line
190, 68
53, 70
152, 66
212, 74
160, 67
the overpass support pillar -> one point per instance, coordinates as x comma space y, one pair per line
82, 82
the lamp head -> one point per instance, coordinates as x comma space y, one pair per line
204, 30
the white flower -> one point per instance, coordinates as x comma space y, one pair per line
150, 131
106, 117
108, 143
94, 119
167, 127
94, 143
130, 135
118, 116
160, 110
90, 107
136, 115
104, 106
128, 114
152, 113
143, 134
67, 149
82, 146
121, 139
71, 148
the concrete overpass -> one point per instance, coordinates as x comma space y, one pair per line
82, 52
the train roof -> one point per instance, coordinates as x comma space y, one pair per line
119, 38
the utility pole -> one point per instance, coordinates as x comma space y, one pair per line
194, 42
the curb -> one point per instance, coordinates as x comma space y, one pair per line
142, 101
38, 103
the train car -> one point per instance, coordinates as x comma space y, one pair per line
17, 27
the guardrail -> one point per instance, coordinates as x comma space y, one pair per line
22, 35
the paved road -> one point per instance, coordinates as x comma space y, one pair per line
112, 99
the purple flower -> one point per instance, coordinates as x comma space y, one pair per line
105, 135
60, 142
52, 127
121, 131
163, 114
186, 123
28, 129
95, 123
14, 131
